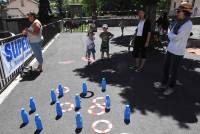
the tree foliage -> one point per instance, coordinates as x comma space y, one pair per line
44, 10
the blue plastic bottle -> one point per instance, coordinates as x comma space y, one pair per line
84, 88
53, 96
24, 116
32, 104
107, 101
77, 102
103, 84
60, 90
79, 122
127, 113
59, 109
38, 123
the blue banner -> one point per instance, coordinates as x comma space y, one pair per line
14, 54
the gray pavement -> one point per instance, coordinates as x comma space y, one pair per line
152, 113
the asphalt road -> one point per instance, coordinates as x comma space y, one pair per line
151, 113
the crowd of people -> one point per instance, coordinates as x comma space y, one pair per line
178, 36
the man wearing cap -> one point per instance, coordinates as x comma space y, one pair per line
34, 33
178, 37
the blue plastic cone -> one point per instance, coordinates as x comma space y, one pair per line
84, 88
38, 123
53, 96
32, 105
79, 122
77, 102
107, 101
59, 109
60, 90
24, 116
127, 113
103, 85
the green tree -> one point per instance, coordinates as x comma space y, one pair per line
150, 6
44, 11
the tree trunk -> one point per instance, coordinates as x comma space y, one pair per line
151, 12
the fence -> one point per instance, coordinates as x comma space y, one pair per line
49, 31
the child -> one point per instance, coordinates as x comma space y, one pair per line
90, 46
122, 25
105, 36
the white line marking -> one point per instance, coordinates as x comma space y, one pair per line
15, 82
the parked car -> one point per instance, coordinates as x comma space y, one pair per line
6, 34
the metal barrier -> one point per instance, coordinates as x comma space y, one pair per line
49, 31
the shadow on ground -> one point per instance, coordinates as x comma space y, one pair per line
137, 88
122, 40
30, 75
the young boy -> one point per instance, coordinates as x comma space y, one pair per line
105, 36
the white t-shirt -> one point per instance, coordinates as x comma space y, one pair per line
178, 42
35, 38
140, 28
90, 43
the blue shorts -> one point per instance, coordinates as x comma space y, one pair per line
89, 51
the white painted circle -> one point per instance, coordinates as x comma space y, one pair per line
67, 107
109, 124
66, 90
66, 62
98, 104
90, 110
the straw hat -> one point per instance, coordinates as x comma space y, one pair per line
186, 7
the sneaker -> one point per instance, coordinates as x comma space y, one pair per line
169, 91
133, 67
159, 85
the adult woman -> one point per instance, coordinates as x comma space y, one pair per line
178, 37
143, 34
34, 33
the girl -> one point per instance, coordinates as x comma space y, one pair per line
90, 46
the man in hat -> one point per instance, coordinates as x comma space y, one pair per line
178, 37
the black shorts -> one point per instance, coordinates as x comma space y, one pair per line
139, 48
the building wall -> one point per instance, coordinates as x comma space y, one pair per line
23, 5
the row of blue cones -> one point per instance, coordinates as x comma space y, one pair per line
25, 116
59, 112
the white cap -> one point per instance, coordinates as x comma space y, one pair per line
105, 26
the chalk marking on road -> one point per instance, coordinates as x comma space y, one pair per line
66, 90
15, 82
67, 109
98, 104
94, 125
66, 62
90, 110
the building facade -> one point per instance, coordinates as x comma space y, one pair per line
176, 3
19, 8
